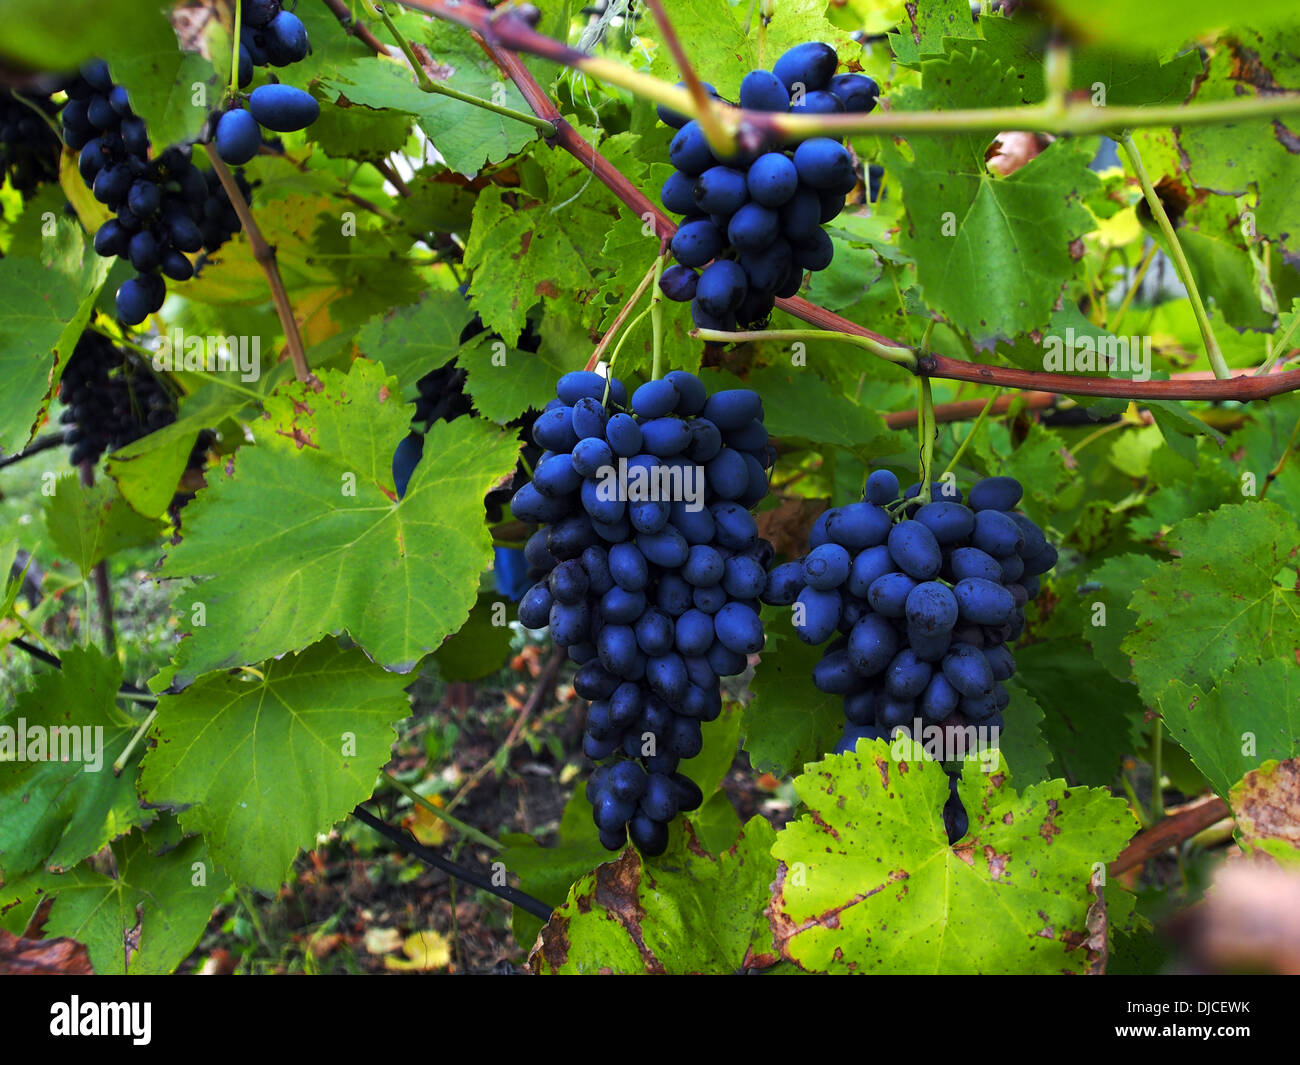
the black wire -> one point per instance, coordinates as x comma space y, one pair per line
396, 836
43, 443
51, 660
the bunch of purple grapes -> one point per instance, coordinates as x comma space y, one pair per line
166, 207
922, 600
269, 35
752, 222
655, 598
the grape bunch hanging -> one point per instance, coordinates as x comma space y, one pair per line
655, 599
752, 223
166, 207
29, 147
925, 597
268, 36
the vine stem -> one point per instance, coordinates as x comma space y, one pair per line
1286, 453
898, 355
928, 433
427, 84
1138, 277
41, 443
265, 256
120, 763
469, 831
1181, 824
979, 422
1157, 770
657, 321
722, 142
501, 32
1279, 347
355, 28
617, 324
234, 50
1176, 253
506, 28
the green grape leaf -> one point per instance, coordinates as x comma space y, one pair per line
46, 296
1090, 719
521, 251
1257, 156
264, 764
927, 26
1251, 715
788, 722
1022, 742
1188, 629
55, 812
1110, 78
172, 90
480, 647
801, 405
685, 912
84, 28
992, 252
152, 912
414, 340
721, 38
88, 524
149, 470
338, 553
350, 132
504, 382
1107, 617
465, 135
1126, 25
440, 202
869, 883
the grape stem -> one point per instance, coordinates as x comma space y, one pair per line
469, 831
1148, 257
234, 49
1175, 249
354, 27
1279, 347
265, 256
617, 324
502, 31
120, 763
898, 355
928, 432
427, 84
722, 141
503, 27
657, 321
979, 422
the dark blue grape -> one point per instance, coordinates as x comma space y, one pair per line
996, 534
763, 91
810, 65
816, 103
968, 671
857, 92
721, 288
238, 137
772, 180
950, 522
881, 488
283, 108
679, 283
815, 253
739, 629
801, 215
689, 150
995, 493
286, 42
753, 228
915, 549
823, 163
858, 526
983, 602
817, 615
720, 190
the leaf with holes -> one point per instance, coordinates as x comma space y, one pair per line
869, 883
